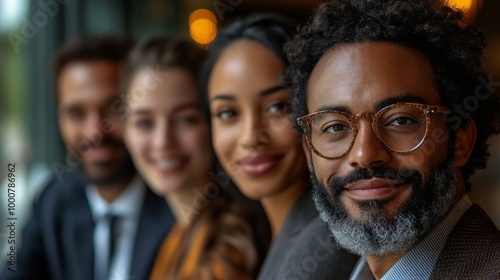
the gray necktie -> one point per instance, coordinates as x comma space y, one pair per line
114, 232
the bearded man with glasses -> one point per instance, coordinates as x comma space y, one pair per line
374, 88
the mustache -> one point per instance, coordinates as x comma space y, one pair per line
110, 141
105, 141
412, 176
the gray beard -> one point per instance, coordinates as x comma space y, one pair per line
377, 233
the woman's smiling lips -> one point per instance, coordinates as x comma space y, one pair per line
373, 189
169, 166
258, 165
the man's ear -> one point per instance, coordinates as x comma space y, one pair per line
464, 143
307, 151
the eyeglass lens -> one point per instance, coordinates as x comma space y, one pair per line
401, 128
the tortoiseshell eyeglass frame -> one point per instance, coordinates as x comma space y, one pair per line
428, 110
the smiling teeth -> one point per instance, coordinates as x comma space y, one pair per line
168, 164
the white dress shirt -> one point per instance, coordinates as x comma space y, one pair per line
127, 207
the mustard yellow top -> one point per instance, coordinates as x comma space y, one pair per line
219, 261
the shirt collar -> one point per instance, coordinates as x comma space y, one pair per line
126, 205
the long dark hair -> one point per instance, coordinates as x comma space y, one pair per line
230, 219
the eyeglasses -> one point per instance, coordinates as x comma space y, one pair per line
401, 128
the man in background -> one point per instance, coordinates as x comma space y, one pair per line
102, 223
396, 113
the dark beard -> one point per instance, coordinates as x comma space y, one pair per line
377, 233
125, 171
112, 172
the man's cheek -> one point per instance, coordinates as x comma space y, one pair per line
318, 169
425, 156
418, 163
327, 169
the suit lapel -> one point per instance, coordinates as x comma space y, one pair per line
77, 237
155, 221
297, 219
301, 214
472, 250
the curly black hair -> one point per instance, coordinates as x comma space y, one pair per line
453, 47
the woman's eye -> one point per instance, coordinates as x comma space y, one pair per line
281, 107
225, 115
143, 124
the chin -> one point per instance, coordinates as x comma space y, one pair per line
251, 194
252, 191
102, 179
165, 188
260, 192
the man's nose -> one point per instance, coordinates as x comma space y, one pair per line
367, 151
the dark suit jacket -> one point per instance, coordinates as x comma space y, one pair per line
472, 250
305, 249
57, 242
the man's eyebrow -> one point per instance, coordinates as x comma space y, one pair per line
340, 108
70, 107
405, 97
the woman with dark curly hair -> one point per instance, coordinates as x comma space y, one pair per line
169, 140
254, 139
396, 112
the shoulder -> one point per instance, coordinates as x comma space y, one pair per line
61, 192
219, 241
472, 247
476, 231
317, 243
305, 248
154, 203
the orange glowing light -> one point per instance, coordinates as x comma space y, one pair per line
464, 5
202, 26
470, 8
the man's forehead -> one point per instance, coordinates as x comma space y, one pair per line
369, 73
93, 72
82, 80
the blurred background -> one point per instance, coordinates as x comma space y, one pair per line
31, 31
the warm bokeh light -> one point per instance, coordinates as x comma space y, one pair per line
202, 13
202, 26
461, 4
470, 7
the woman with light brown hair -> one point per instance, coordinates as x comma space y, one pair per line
169, 140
